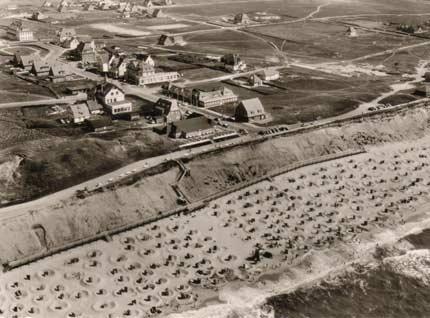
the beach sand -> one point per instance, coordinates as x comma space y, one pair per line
242, 248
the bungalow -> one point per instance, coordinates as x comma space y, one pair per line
81, 87
192, 128
71, 43
94, 107
80, 113
62, 8
25, 61
255, 81
85, 52
113, 98
170, 40
38, 16
423, 89
89, 7
269, 74
242, 18
99, 124
59, 73
250, 110
213, 97
233, 63
158, 13
65, 34
167, 109
40, 68
148, 4
118, 67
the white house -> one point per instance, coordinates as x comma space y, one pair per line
113, 98
80, 113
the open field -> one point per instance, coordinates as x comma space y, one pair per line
328, 41
14, 89
227, 41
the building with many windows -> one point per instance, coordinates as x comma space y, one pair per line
113, 99
18, 32
213, 97
141, 73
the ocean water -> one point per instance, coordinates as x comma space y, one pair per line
396, 287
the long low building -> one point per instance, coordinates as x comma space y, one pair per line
214, 97
192, 127
202, 97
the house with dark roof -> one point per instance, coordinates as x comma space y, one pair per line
40, 68
100, 124
65, 34
192, 128
59, 73
158, 13
94, 107
148, 4
86, 52
250, 110
25, 61
38, 16
167, 109
242, 18
233, 63
255, 81
81, 87
170, 40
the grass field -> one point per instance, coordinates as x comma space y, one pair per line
13, 89
329, 41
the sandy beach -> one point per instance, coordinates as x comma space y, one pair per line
278, 226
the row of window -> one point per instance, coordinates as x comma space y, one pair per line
118, 110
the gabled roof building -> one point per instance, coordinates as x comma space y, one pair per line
170, 40
168, 109
192, 128
18, 32
250, 110
40, 68
242, 18
113, 98
80, 113
213, 97
25, 61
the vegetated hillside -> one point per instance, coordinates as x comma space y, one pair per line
69, 220
52, 164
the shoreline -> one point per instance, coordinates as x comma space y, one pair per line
210, 253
